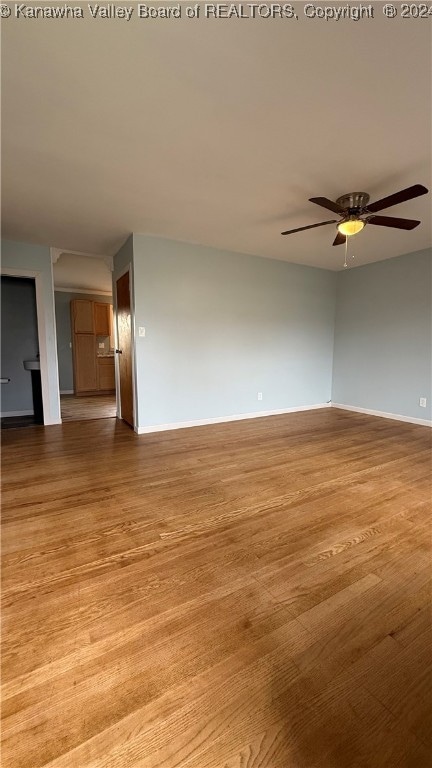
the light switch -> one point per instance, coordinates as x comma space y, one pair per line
141, 331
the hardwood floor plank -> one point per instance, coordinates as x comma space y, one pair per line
246, 595
81, 408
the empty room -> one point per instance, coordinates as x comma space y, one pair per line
216, 274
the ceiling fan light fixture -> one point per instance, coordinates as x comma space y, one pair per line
351, 226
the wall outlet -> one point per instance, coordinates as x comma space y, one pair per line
259, 395
101, 345
141, 331
423, 402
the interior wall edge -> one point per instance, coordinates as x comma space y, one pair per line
384, 414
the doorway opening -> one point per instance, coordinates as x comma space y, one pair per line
74, 408
21, 387
85, 336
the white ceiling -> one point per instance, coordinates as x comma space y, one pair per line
214, 131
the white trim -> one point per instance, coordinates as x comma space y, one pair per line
67, 392
109, 261
82, 290
223, 419
384, 414
55, 255
5, 414
57, 252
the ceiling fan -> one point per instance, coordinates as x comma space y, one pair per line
356, 211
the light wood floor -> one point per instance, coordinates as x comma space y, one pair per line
84, 408
248, 595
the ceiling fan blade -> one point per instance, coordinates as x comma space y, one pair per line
325, 203
399, 197
339, 239
392, 221
311, 226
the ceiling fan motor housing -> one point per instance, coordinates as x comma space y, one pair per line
354, 202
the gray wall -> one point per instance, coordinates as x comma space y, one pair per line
221, 327
64, 333
19, 342
382, 355
28, 259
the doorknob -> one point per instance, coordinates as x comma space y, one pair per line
119, 352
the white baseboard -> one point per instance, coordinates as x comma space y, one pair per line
66, 392
223, 419
384, 414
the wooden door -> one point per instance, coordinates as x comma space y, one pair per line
111, 323
85, 363
124, 351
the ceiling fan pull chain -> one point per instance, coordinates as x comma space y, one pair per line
346, 251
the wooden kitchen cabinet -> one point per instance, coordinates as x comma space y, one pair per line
106, 374
82, 316
85, 369
90, 320
102, 319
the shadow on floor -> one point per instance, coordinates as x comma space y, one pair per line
15, 422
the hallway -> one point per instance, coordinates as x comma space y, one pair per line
85, 408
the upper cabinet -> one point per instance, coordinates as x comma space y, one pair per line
82, 316
102, 319
91, 317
